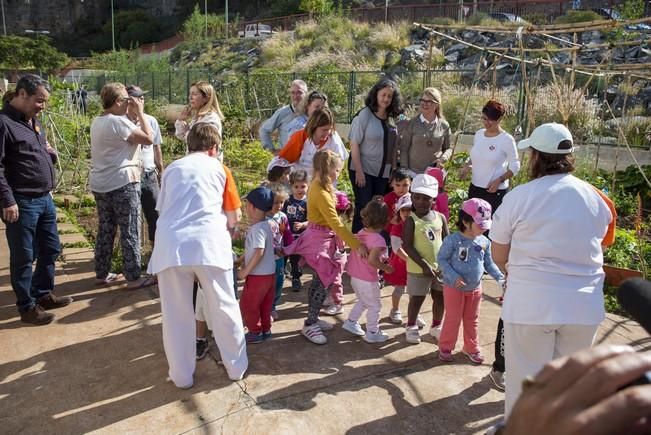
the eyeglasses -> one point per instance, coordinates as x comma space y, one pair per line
425, 102
125, 98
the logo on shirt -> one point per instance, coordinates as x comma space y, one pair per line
492, 147
431, 235
462, 255
291, 209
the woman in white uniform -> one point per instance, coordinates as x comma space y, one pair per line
192, 241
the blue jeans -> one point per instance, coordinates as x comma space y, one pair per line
280, 280
33, 236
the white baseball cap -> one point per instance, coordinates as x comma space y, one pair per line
278, 161
403, 201
425, 184
547, 137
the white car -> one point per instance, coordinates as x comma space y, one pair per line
255, 31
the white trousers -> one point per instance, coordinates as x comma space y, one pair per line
179, 328
527, 348
368, 298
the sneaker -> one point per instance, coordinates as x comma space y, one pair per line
266, 335
353, 327
395, 316
420, 322
297, 285
328, 301
435, 331
475, 358
445, 356
333, 310
51, 301
36, 315
253, 338
274, 315
412, 335
325, 326
498, 379
314, 334
376, 337
202, 348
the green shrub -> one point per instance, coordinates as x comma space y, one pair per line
578, 16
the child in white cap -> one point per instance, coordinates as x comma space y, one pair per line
463, 258
422, 237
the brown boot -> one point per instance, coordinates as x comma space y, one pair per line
51, 301
36, 316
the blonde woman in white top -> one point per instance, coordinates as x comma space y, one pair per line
493, 158
203, 107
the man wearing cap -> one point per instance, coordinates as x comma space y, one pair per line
548, 234
151, 158
26, 179
282, 118
192, 240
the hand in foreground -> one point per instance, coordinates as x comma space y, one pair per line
586, 393
362, 251
459, 283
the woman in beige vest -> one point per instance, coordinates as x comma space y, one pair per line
425, 141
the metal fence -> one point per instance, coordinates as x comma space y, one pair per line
257, 95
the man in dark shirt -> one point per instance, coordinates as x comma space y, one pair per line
26, 180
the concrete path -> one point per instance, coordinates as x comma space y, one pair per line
100, 367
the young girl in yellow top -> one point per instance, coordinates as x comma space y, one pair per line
317, 244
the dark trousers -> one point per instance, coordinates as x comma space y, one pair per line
499, 364
33, 236
364, 195
494, 199
148, 197
297, 272
120, 207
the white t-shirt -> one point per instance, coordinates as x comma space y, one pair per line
191, 227
306, 160
147, 151
555, 225
259, 235
114, 161
491, 157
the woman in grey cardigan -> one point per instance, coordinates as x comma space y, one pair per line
425, 141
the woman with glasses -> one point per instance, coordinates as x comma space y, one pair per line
314, 101
373, 145
425, 140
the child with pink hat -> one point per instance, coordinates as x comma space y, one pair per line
441, 203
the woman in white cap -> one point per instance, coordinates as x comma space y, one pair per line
548, 236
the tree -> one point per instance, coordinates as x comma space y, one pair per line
194, 27
317, 7
19, 52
